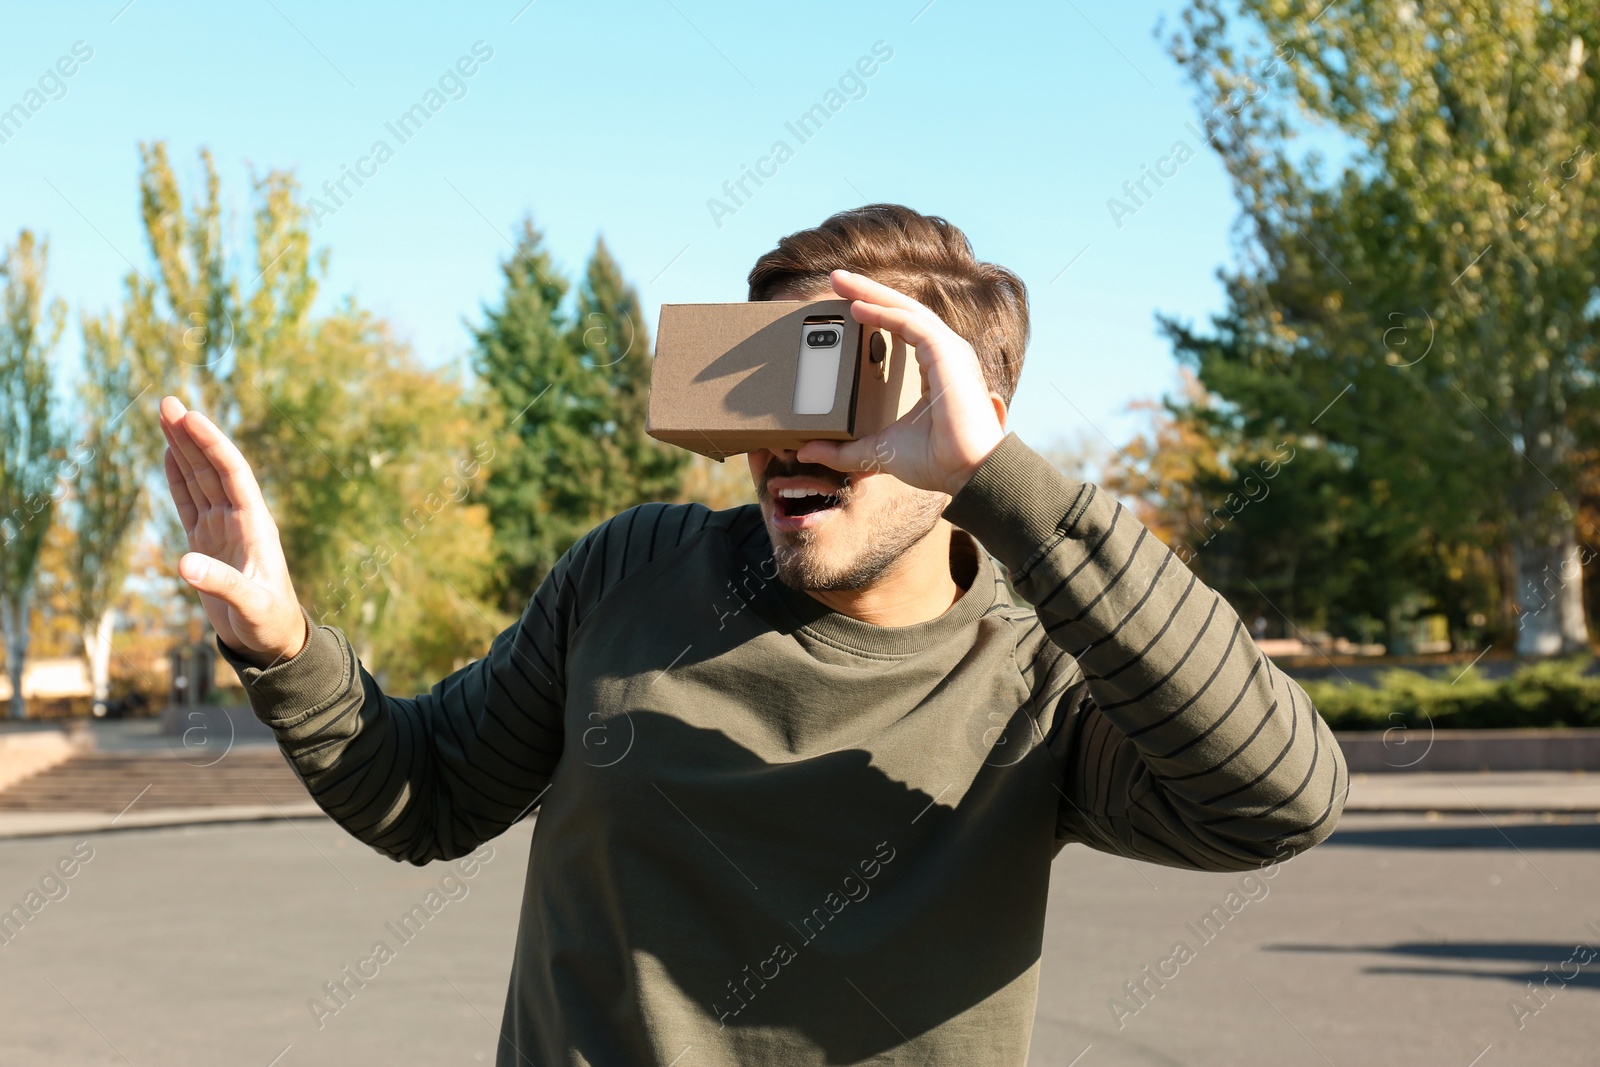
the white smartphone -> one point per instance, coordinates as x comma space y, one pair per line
817, 377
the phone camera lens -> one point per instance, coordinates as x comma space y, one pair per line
822, 338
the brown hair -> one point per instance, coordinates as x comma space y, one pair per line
924, 257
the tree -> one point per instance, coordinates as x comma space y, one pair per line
31, 445
183, 320
717, 485
366, 459
368, 462
119, 451
539, 490
1429, 308
1251, 516
1291, 525
570, 393
612, 339
1168, 471
190, 314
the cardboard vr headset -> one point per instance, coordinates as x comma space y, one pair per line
734, 378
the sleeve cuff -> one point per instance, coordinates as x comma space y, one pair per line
291, 689
1017, 504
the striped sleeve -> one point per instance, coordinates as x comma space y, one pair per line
1178, 741
435, 775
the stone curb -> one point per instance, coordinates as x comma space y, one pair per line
18, 824
1402, 750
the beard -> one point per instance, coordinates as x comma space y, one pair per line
802, 558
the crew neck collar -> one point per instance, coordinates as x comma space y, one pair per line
835, 627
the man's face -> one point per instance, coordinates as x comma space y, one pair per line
836, 529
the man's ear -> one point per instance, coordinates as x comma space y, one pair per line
1000, 409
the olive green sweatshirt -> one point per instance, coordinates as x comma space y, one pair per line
769, 833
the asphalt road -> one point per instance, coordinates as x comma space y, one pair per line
1399, 941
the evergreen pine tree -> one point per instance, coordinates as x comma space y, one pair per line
572, 391
611, 338
540, 486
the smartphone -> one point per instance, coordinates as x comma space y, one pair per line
816, 378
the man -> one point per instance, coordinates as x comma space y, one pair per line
801, 767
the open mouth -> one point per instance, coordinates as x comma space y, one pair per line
803, 507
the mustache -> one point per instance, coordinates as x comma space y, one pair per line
777, 468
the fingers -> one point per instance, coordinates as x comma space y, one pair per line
214, 470
216, 578
859, 287
171, 413
205, 485
920, 328
187, 512
840, 455
234, 478
877, 305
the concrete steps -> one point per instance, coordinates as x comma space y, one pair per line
108, 782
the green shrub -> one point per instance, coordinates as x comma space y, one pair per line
1552, 692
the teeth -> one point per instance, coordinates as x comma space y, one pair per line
796, 494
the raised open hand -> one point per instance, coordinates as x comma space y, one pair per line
235, 560
950, 431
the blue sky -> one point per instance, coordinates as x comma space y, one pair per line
1015, 121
